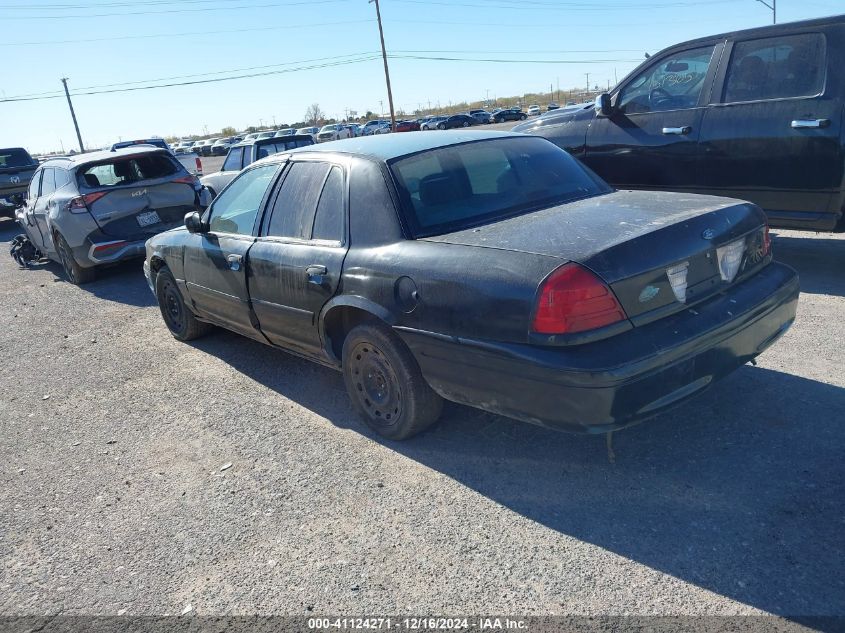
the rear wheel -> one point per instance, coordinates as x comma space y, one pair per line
76, 274
178, 318
522, 117
466, 123
386, 385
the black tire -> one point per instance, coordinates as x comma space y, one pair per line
440, 126
386, 385
178, 318
522, 117
466, 123
75, 273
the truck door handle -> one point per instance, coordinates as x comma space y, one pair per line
680, 131
315, 273
805, 124
234, 261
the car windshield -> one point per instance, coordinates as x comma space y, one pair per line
455, 187
127, 170
15, 157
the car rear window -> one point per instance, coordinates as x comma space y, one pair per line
458, 186
15, 157
128, 170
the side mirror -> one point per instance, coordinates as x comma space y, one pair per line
603, 105
194, 224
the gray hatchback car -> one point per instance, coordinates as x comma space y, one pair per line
92, 209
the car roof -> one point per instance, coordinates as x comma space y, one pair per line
95, 157
267, 140
768, 30
386, 147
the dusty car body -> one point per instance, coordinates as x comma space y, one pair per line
100, 208
486, 268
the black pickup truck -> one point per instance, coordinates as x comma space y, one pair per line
16, 169
754, 114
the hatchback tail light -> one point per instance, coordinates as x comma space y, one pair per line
79, 204
188, 180
574, 299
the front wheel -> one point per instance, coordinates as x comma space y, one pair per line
386, 385
178, 318
76, 274
466, 123
440, 126
522, 117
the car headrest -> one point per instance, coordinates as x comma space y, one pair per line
122, 169
438, 189
91, 180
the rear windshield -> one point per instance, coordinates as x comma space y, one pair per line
451, 188
15, 157
128, 170
266, 149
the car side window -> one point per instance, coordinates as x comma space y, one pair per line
329, 219
235, 209
776, 68
62, 178
32, 194
296, 202
233, 159
673, 83
48, 182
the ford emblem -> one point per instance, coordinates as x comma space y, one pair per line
708, 234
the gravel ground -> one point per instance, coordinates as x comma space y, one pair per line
114, 497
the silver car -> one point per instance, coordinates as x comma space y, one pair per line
91, 209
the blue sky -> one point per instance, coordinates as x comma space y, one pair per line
559, 42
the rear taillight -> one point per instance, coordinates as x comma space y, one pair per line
80, 204
188, 180
574, 299
199, 165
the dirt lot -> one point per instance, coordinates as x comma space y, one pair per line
113, 437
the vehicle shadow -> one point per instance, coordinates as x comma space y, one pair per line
820, 262
739, 492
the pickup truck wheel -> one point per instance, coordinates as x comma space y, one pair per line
76, 274
386, 385
522, 117
178, 318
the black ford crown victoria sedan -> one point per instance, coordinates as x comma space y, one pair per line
489, 269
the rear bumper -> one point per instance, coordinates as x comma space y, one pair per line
610, 384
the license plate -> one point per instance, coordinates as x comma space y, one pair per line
147, 219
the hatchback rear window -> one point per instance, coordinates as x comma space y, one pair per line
128, 170
15, 157
451, 188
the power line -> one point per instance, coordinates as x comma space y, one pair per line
128, 13
362, 57
104, 5
560, 6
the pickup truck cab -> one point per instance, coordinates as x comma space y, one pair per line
16, 169
247, 152
754, 114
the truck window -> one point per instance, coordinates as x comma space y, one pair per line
233, 160
776, 68
673, 83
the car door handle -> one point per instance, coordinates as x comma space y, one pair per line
806, 124
234, 261
680, 131
315, 273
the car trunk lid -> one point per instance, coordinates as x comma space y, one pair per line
635, 241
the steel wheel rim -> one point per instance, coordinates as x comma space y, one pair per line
375, 385
174, 313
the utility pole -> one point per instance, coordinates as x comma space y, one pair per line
588, 82
386, 71
73, 116
774, 7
